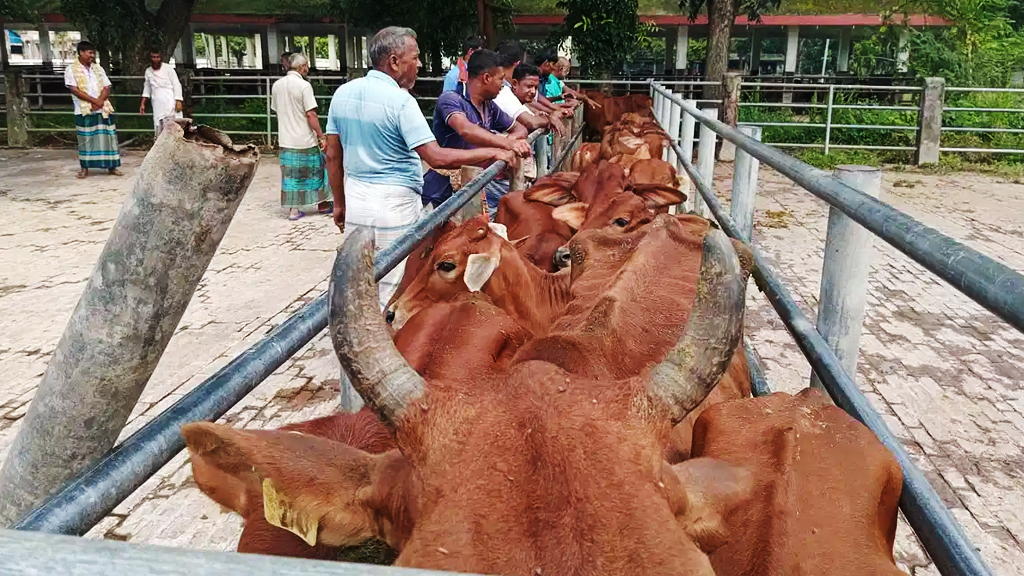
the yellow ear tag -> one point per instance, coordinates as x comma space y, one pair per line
277, 508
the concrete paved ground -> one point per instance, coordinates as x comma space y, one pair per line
942, 371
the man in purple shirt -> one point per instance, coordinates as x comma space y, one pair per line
468, 118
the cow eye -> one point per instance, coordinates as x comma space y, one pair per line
621, 222
446, 266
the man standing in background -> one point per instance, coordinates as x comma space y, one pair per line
163, 88
94, 114
458, 73
301, 141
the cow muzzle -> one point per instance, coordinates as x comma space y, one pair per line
562, 257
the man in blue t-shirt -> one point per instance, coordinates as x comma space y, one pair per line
468, 118
376, 139
457, 73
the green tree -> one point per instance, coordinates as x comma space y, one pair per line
721, 16
604, 33
440, 25
130, 28
19, 10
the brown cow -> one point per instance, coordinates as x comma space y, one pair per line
613, 108
473, 258
827, 489
538, 471
418, 258
531, 223
461, 339
588, 154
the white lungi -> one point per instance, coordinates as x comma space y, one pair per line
391, 211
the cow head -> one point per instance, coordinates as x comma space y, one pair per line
462, 260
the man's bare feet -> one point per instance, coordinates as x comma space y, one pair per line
82, 173
116, 172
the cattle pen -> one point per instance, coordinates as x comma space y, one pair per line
87, 499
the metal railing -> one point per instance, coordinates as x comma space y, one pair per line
987, 282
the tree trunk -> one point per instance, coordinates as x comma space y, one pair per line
492, 37
179, 208
721, 14
481, 9
171, 21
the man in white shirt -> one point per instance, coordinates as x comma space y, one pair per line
163, 88
511, 54
303, 175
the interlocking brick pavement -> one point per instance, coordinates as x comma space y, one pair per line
941, 370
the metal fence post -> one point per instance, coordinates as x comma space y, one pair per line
556, 147
18, 119
705, 160
744, 187
673, 133
174, 218
929, 121
664, 112
730, 112
270, 133
844, 274
686, 146
828, 117
518, 179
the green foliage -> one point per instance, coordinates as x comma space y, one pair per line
440, 25
819, 159
604, 32
697, 50
19, 11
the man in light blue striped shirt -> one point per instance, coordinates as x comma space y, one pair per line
376, 138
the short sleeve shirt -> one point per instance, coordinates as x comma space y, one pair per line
509, 103
379, 125
491, 117
291, 97
454, 76
95, 82
552, 86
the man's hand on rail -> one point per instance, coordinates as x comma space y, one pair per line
520, 147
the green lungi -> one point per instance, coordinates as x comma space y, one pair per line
97, 141
303, 177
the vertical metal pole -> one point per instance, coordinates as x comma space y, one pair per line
663, 119
705, 160
270, 134
686, 145
543, 152
844, 275
828, 117
556, 149
673, 132
744, 186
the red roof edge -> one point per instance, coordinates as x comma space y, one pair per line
773, 20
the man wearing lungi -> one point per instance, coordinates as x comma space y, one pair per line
94, 114
163, 88
301, 141
376, 137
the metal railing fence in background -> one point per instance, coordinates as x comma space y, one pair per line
991, 284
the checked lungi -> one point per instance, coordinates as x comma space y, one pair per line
303, 178
97, 141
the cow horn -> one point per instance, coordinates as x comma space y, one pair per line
693, 367
377, 370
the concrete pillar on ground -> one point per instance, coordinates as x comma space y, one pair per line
224, 54
844, 274
185, 51
361, 52
744, 187
250, 52
258, 51
929, 121
332, 52
350, 52
792, 52
177, 212
5, 58
756, 37
211, 50
682, 46
843, 53
705, 161
730, 112
903, 52
17, 107
45, 50
311, 51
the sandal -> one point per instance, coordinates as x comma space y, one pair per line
326, 208
83, 173
297, 215
116, 172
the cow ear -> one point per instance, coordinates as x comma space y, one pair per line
499, 229
572, 214
658, 195
554, 194
479, 268
313, 487
707, 494
519, 242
